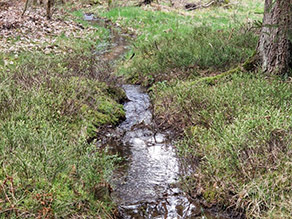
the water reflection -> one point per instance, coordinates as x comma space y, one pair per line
147, 187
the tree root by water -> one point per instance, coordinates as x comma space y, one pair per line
249, 65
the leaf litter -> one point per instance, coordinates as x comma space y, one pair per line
33, 31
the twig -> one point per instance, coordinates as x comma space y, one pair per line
25, 8
208, 4
12, 188
9, 209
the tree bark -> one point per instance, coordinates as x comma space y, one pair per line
274, 47
49, 9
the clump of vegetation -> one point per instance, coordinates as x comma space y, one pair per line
51, 105
171, 46
240, 132
187, 56
48, 112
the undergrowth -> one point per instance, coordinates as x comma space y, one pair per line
240, 131
237, 132
170, 46
51, 105
191, 55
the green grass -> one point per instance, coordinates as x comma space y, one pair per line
238, 127
173, 46
51, 105
240, 131
192, 55
151, 24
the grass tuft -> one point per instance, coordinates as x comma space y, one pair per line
240, 131
187, 56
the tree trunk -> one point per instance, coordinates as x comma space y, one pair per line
49, 9
274, 47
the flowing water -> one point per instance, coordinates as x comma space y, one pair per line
147, 185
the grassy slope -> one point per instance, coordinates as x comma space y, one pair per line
239, 128
50, 105
168, 41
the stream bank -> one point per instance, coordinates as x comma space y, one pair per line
147, 184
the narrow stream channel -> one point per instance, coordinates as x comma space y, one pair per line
147, 185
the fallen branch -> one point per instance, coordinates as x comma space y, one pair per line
208, 4
190, 7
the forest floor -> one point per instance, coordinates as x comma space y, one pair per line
52, 106
234, 129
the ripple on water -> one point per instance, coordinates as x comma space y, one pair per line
146, 188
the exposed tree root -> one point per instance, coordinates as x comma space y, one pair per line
249, 65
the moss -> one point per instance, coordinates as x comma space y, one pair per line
212, 80
209, 195
251, 63
117, 93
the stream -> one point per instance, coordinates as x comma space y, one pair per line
147, 184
